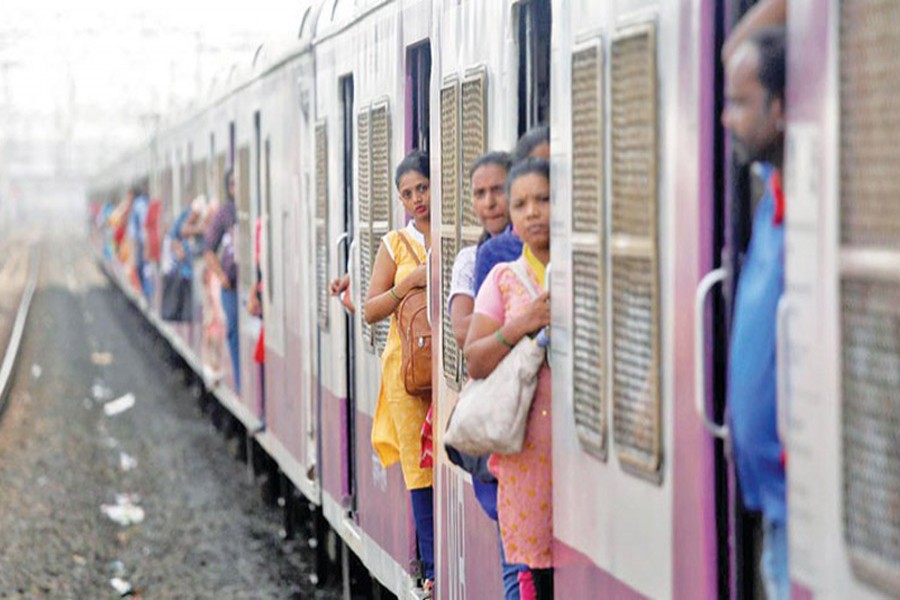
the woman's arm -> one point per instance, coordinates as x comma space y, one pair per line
485, 348
461, 307
384, 297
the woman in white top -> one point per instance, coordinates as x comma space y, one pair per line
487, 176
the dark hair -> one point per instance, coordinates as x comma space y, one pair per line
414, 161
771, 44
500, 159
530, 140
530, 166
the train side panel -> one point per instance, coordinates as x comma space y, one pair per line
630, 236
838, 340
474, 108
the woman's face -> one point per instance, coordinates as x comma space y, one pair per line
415, 194
529, 207
489, 197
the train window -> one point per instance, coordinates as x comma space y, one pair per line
451, 173
322, 222
463, 139
473, 132
381, 190
366, 258
474, 143
869, 291
589, 381
242, 200
200, 177
418, 81
188, 173
634, 250
374, 133
533, 35
219, 176
270, 223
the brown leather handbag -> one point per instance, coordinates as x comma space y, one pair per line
415, 337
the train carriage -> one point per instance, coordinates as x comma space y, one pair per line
366, 120
838, 341
631, 236
275, 113
490, 83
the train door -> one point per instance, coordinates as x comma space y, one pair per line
348, 239
738, 529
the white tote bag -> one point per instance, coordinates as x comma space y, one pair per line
492, 413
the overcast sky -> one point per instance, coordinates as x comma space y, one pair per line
81, 80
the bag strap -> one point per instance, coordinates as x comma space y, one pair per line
517, 268
409, 247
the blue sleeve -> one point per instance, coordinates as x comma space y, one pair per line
482, 265
179, 224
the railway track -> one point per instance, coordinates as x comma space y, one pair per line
10, 268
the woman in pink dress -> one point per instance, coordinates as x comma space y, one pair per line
505, 312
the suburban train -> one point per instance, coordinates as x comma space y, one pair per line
649, 224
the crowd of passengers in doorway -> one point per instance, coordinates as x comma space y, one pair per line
196, 260
498, 297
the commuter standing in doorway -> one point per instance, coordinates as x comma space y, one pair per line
399, 271
754, 115
506, 311
220, 239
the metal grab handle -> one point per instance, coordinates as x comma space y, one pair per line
782, 407
354, 247
706, 284
337, 248
428, 286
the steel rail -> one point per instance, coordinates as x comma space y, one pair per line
7, 368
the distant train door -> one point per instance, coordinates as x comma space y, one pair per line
738, 531
348, 239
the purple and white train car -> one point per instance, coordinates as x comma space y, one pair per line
634, 485
370, 103
490, 82
839, 341
275, 147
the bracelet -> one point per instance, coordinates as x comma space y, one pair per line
394, 295
502, 339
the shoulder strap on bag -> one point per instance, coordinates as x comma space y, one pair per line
409, 247
517, 268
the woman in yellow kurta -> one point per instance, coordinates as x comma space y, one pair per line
399, 416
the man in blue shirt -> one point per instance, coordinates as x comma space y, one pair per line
754, 116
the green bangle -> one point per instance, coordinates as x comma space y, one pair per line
502, 339
394, 295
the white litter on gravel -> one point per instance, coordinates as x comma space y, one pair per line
127, 462
100, 391
120, 585
125, 511
119, 405
36, 372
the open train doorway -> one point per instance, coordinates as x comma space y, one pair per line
418, 91
738, 530
349, 470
